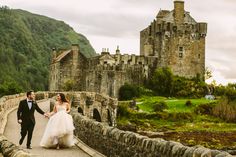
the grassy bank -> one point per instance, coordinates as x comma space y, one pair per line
179, 121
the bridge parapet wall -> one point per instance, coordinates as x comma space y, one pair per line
93, 105
8, 103
113, 142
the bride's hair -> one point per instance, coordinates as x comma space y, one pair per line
63, 97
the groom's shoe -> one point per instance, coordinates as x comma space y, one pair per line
20, 142
29, 147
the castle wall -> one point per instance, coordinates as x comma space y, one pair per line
80, 74
66, 71
184, 54
108, 78
54, 76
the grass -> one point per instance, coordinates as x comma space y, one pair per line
210, 125
199, 122
174, 105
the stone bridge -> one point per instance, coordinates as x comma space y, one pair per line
94, 118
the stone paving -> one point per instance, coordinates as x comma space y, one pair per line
12, 132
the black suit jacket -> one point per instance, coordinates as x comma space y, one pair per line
26, 114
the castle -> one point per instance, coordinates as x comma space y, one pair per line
174, 39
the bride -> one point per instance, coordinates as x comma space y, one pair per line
59, 130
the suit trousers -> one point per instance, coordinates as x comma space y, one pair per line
27, 128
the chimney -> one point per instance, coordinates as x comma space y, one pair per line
117, 50
75, 47
179, 11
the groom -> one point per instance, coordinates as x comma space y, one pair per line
25, 116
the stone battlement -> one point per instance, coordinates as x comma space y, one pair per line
119, 59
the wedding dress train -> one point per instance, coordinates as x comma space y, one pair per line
59, 130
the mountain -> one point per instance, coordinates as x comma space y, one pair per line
26, 42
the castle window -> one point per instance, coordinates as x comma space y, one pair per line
174, 28
105, 62
129, 61
181, 55
181, 49
168, 26
150, 30
199, 56
140, 63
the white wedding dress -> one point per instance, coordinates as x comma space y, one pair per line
59, 130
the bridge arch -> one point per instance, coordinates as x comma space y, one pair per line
96, 115
109, 118
80, 110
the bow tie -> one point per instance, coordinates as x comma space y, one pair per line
30, 101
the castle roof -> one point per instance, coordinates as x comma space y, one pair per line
162, 13
62, 55
107, 57
168, 16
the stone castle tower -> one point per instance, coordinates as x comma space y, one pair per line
173, 39
177, 40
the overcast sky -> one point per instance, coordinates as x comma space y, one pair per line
108, 23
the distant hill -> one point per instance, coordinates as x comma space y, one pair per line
26, 42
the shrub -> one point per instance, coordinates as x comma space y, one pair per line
231, 94
127, 92
182, 93
180, 116
188, 103
159, 106
122, 111
204, 108
145, 91
219, 90
226, 110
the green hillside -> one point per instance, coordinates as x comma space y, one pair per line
26, 42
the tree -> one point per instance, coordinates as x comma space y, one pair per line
10, 87
208, 73
162, 81
127, 92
